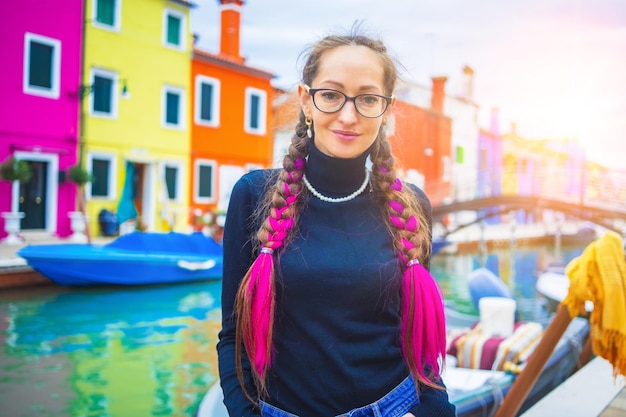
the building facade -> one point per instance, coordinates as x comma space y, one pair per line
231, 124
39, 118
135, 137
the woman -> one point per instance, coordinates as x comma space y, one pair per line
327, 306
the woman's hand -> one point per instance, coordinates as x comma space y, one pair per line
409, 415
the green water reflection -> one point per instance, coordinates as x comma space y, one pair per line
150, 351
146, 351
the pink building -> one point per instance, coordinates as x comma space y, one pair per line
41, 51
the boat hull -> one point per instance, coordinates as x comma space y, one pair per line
121, 264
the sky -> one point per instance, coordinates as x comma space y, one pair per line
555, 68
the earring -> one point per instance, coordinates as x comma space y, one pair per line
308, 122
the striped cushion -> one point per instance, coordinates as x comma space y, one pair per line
475, 351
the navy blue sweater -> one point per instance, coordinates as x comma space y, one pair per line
337, 326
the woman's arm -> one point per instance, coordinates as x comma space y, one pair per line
433, 403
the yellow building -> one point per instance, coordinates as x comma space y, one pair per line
135, 111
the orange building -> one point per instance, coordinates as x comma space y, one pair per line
421, 141
231, 122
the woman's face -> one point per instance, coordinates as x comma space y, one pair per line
352, 70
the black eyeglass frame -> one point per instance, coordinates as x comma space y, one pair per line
312, 92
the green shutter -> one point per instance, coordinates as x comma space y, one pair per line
100, 181
102, 94
205, 181
40, 65
170, 182
460, 157
105, 12
171, 108
173, 30
254, 111
206, 102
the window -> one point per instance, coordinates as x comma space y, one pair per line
174, 29
103, 169
173, 107
460, 154
106, 14
172, 179
255, 111
204, 184
102, 94
42, 65
170, 182
207, 110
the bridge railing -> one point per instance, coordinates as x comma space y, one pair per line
602, 189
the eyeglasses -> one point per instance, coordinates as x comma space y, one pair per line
330, 101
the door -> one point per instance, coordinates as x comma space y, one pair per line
33, 197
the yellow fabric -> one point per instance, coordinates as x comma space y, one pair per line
599, 275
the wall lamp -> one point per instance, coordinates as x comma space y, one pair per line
85, 90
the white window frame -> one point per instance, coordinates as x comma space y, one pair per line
252, 167
114, 96
117, 25
183, 29
262, 129
181, 107
215, 101
180, 183
52, 92
196, 181
112, 190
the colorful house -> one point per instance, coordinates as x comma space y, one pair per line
489, 178
231, 122
136, 111
420, 139
453, 97
39, 118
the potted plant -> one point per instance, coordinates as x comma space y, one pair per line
13, 169
16, 171
79, 175
78, 219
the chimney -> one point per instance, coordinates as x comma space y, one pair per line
229, 32
468, 92
438, 94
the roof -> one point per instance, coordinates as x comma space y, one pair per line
185, 3
225, 61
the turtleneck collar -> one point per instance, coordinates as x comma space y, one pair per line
335, 177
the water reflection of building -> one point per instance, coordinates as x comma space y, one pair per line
104, 351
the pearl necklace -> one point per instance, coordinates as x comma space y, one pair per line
339, 199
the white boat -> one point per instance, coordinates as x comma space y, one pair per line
553, 285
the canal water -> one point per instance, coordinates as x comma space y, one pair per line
150, 351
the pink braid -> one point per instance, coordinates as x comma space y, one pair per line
419, 288
256, 295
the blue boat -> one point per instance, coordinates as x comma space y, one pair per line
138, 258
439, 244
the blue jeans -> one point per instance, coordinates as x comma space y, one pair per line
396, 403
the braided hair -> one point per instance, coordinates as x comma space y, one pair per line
423, 345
